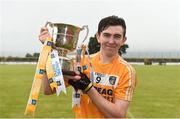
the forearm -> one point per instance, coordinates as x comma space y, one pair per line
117, 109
46, 87
109, 109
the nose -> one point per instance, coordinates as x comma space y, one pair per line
111, 40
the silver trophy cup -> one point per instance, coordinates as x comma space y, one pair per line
65, 40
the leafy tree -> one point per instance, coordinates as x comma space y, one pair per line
122, 49
94, 46
28, 55
35, 54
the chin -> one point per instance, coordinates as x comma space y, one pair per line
110, 54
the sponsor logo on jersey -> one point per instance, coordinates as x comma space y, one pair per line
105, 79
112, 80
105, 85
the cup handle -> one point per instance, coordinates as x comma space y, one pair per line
51, 25
87, 32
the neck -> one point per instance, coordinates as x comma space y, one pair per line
106, 59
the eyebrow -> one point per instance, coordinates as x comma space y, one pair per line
117, 34
106, 33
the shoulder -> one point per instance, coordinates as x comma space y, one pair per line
92, 56
127, 66
129, 70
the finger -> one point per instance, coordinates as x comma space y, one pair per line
77, 72
71, 73
72, 77
43, 29
77, 77
44, 33
43, 37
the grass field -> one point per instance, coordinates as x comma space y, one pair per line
157, 93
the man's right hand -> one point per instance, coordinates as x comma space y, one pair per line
44, 33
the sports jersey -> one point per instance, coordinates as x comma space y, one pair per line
112, 80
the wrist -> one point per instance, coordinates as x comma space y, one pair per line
88, 87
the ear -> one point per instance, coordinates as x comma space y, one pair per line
97, 37
124, 40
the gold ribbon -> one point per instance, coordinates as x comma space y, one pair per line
76, 95
40, 70
50, 73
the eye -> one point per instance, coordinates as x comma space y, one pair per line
117, 36
107, 35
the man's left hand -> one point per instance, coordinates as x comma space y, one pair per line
83, 83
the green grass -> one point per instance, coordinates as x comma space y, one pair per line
15, 86
157, 93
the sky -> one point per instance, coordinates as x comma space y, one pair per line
152, 25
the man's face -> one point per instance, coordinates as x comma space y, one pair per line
111, 39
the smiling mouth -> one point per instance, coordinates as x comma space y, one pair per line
110, 46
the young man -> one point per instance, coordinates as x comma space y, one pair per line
114, 78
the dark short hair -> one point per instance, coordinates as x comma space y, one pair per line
111, 21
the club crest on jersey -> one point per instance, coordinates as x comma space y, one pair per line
112, 80
84, 67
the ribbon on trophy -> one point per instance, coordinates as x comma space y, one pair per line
81, 66
58, 76
40, 71
76, 94
48, 62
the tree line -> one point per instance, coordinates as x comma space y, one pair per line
93, 47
